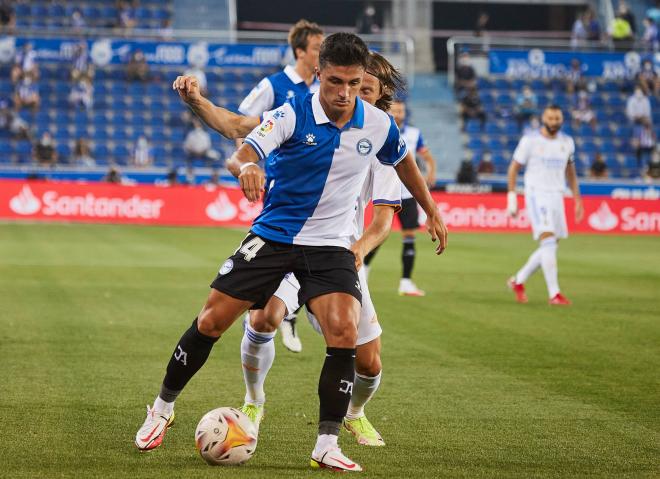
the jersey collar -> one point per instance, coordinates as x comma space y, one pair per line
293, 74
356, 121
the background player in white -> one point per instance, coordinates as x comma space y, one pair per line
409, 214
305, 41
547, 156
324, 143
383, 187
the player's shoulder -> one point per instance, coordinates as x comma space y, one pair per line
411, 130
375, 117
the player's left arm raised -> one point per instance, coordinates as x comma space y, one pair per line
571, 177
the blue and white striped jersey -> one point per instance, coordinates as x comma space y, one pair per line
274, 90
317, 171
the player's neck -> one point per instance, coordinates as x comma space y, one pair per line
546, 134
302, 70
339, 118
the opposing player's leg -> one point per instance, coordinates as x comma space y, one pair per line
234, 290
190, 354
548, 249
409, 219
288, 293
331, 288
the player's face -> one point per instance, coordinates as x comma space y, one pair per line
398, 112
370, 90
339, 86
310, 56
552, 120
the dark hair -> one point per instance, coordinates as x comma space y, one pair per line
300, 33
552, 106
343, 49
392, 84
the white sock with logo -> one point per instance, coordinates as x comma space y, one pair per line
533, 263
549, 264
364, 387
257, 356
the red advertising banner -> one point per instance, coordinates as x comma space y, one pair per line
221, 206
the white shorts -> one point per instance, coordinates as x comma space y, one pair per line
368, 326
546, 213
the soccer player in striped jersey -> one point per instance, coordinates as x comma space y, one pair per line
305, 41
547, 156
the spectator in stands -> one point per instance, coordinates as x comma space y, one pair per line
526, 106
44, 151
366, 22
197, 146
638, 107
574, 79
648, 80
532, 126
466, 77
166, 32
650, 37
197, 72
480, 25
654, 13
485, 166
25, 64
82, 153
598, 168
81, 67
582, 111
593, 25
26, 95
654, 167
78, 22
137, 68
644, 143
7, 17
126, 15
471, 108
621, 33
113, 176
628, 16
466, 173
579, 32
11, 121
142, 154
82, 94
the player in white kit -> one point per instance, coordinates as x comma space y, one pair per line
547, 156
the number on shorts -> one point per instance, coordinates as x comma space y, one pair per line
251, 248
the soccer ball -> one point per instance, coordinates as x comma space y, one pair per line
226, 436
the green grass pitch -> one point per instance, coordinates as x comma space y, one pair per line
474, 385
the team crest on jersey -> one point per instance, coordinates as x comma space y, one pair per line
266, 127
364, 147
226, 267
310, 139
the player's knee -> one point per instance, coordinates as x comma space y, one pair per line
264, 323
341, 331
369, 365
209, 323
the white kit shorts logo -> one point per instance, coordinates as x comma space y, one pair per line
603, 219
364, 147
222, 209
25, 203
226, 267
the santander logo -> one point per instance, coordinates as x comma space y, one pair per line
25, 203
603, 219
222, 209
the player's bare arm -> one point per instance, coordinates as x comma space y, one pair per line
228, 124
512, 199
243, 165
377, 232
571, 178
412, 178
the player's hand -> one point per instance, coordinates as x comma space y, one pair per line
438, 231
579, 210
252, 180
512, 204
188, 88
357, 249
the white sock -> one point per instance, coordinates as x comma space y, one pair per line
549, 265
533, 263
163, 406
257, 356
323, 442
364, 387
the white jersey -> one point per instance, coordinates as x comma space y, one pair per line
415, 142
545, 160
382, 187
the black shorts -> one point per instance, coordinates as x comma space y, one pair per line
409, 214
255, 271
